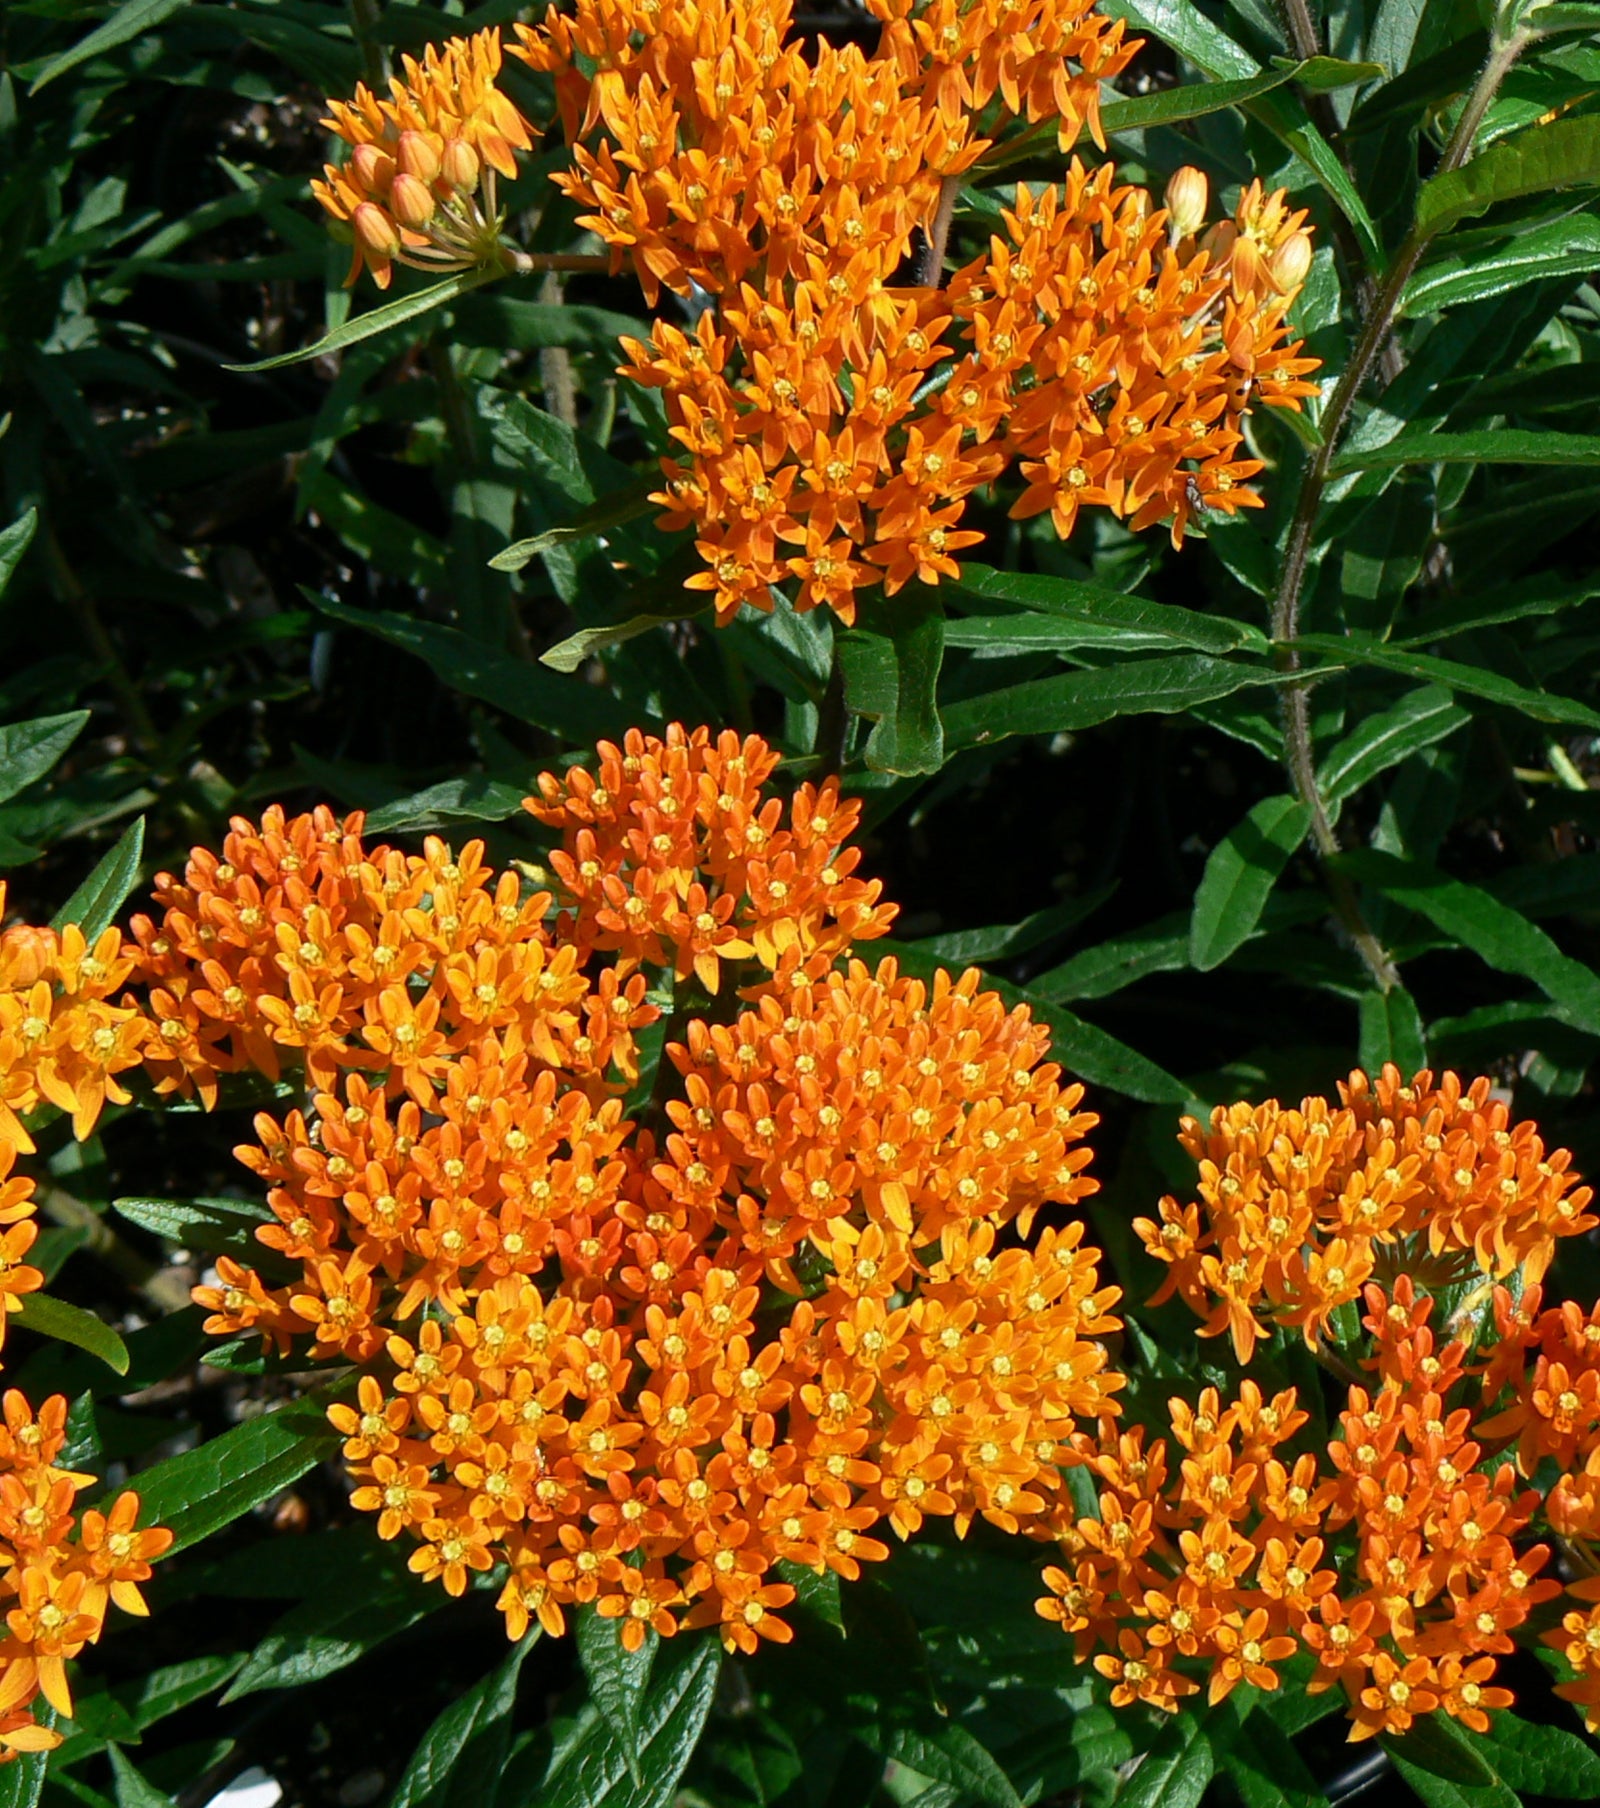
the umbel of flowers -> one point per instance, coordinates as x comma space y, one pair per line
841, 398
643, 1361
1405, 1559
62, 1044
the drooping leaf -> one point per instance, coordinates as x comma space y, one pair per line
379, 320
472, 799
1420, 718
1563, 154
591, 1770
461, 1757
199, 1491
29, 749
1485, 446
617, 1680
1239, 876
50, 1317
94, 905
1498, 935
567, 655
1391, 1030
593, 519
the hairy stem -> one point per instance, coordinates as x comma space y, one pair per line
1375, 335
524, 263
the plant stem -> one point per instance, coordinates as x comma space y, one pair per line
930, 266
524, 263
365, 16
1375, 334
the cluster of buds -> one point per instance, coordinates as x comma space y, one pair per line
643, 1361
419, 185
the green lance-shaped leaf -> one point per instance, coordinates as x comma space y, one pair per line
29, 749
132, 1790
612, 510
462, 1755
1391, 1030
1443, 1769
221, 1227
14, 542
1563, 154
1568, 247
199, 1491
1425, 715
909, 737
1175, 1771
1193, 100
567, 655
1131, 623
1501, 937
1488, 446
129, 21
379, 320
1239, 877
22, 1780
1541, 1760
617, 1679
94, 905
475, 798
592, 1770
71, 1324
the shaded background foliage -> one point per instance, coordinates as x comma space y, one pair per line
275, 586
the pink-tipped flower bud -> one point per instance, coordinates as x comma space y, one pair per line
1290, 263
417, 154
459, 166
376, 231
372, 168
412, 201
1188, 195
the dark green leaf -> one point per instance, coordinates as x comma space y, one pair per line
1101, 610
578, 712
334, 1628
1162, 947
1562, 248
1167, 106
29, 749
459, 1761
1543, 1760
591, 1771
130, 20
1083, 699
22, 1780
1391, 1030
131, 1789
1176, 1769
964, 947
1381, 741
94, 905
1267, 1771
48, 1317
199, 1491
1443, 1769
472, 799
617, 1680
1240, 874
1563, 154
1476, 681
1186, 28
175, 1686
612, 510
14, 542
218, 1226
1486, 446
815, 1595
909, 737
379, 320
1542, 595
948, 1753
1498, 935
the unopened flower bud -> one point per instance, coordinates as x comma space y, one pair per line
373, 168
1187, 196
459, 165
376, 231
412, 201
1290, 263
1245, 266
417, 154
1219, 241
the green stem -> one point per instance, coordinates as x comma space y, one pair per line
1375, 334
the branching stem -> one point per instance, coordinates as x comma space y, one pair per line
1375, 334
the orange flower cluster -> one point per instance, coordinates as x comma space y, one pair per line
1096, 344
1300, 1208
1400, 1570
419, 185
644, 1363
56, 1588
62, 1041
